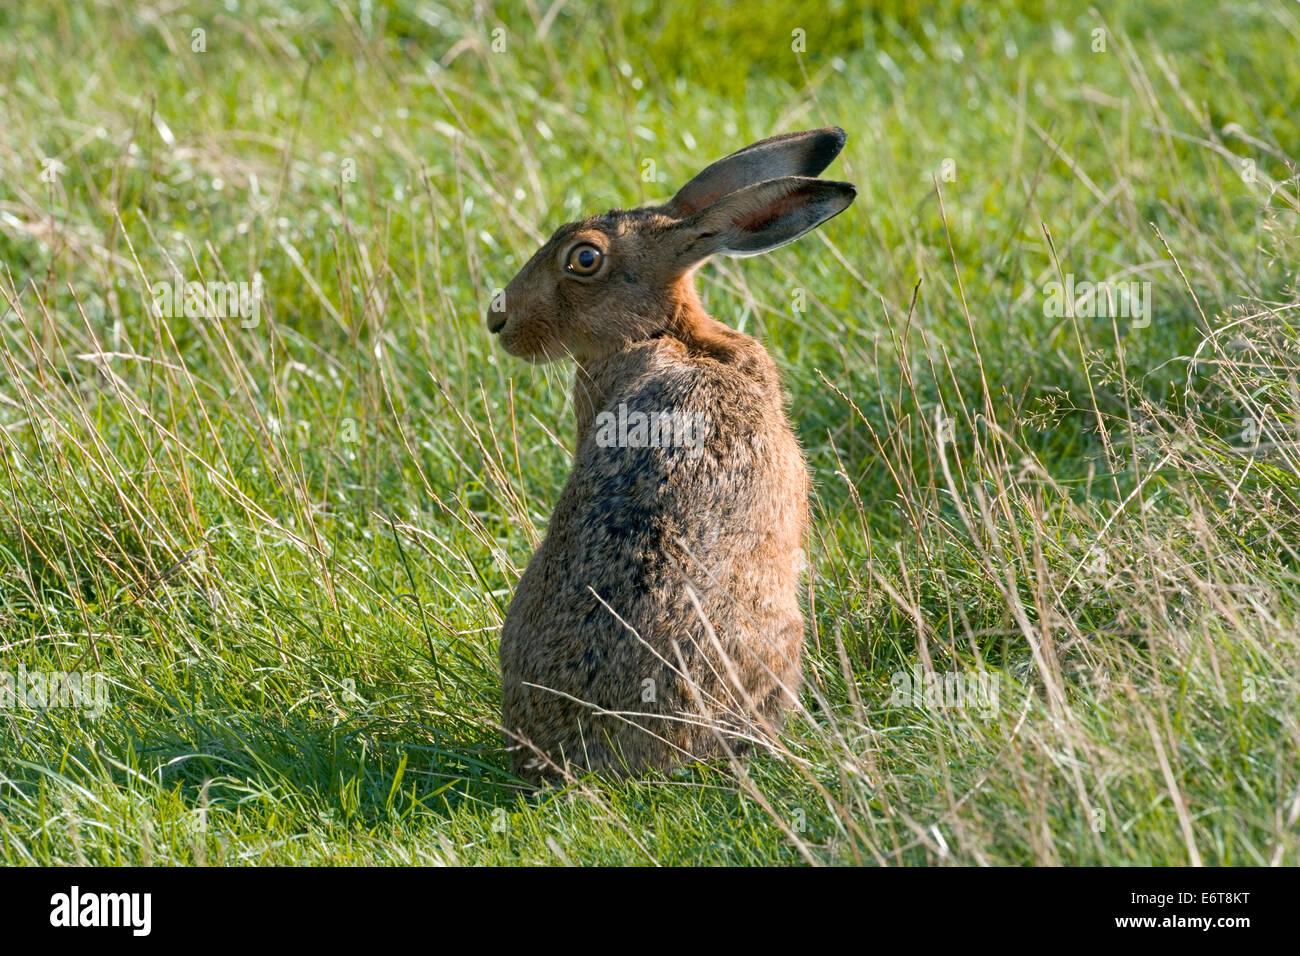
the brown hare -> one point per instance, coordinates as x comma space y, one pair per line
659, 621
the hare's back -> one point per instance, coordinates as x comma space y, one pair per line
685, 454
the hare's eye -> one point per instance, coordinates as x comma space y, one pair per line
584, 259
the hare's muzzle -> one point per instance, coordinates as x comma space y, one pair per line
496, 322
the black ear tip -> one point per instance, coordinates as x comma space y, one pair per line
838, 190
829, 143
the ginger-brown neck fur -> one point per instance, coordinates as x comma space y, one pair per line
702, 337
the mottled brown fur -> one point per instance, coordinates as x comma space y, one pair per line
661, 611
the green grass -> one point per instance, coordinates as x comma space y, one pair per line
288, 548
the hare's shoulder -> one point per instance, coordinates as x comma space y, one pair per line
673, 427
736, 375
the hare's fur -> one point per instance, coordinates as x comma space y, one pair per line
659, 621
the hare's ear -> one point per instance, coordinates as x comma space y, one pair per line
759, 217
793, 154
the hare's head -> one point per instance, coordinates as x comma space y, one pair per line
603, 283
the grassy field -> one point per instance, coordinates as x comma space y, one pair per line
279, 544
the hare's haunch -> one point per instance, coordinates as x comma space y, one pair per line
659, 621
